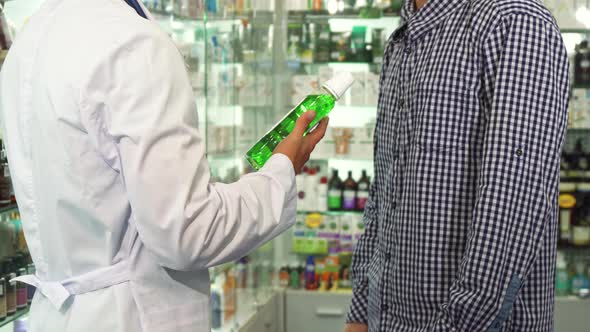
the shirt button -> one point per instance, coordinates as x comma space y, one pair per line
400, 103
519, 152
387, 256
408, 50
385, 307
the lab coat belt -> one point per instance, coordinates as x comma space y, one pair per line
58, 292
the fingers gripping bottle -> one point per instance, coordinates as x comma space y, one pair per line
322, 103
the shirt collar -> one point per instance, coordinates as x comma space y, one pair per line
431, 15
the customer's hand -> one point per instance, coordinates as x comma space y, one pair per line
356, 327
299, 148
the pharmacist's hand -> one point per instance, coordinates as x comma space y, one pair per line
298, 148
356, 327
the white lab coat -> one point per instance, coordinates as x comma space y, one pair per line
111, 177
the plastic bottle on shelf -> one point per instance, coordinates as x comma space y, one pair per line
311, 282
5, 183
230, 296
217, 305
300, 181
567, 203
335, 187
581, 220
323, 194
363, 191
294, 279
349, 193
21, 290
284, 277
242, 272
582, 66
9, 274
3, 313
563, 283
579, 161
311, 190
580, 281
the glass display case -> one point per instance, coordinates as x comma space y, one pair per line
250, 63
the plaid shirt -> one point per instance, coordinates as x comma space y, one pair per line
462, 219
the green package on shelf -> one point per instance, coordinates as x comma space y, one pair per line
310, 246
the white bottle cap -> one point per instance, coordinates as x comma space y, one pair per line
338, 85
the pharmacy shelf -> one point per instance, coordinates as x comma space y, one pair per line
8, 208
572, 248
331, 213
343, 158
248, 304
341, 292
199, 19
355, 16
575, 30
14, 317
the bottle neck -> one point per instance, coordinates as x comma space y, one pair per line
330, 92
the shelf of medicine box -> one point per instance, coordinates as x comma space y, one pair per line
296, 66
341, 158
209, 17
340, 291
17, 315
575, 30
307, 15
571, 248
331, 213
353, 66
8, 208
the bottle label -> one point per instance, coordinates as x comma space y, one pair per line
349, 200
567, 201
565, 224
581, 235
334, 199
361, 200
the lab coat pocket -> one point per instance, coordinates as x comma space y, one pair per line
166, 304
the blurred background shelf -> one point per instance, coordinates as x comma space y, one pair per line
10, 319
8, 208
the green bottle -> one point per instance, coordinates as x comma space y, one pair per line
322, 103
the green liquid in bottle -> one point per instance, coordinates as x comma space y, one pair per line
262, 151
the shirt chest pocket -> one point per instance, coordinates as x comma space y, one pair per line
444, 118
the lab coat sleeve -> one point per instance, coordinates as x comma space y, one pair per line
526, 92
140, 110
